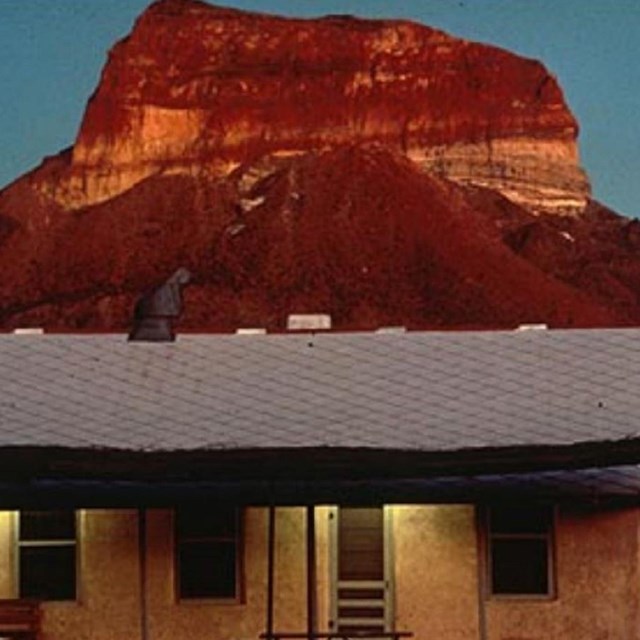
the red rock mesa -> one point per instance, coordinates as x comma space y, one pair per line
381, 171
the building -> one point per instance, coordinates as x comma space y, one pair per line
458, 486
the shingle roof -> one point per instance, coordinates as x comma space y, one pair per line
410, 391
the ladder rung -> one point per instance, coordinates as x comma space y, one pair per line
361, 584
360, 622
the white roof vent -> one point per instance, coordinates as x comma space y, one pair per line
251, 331
309, 322
532, 327
391, 330
28, 331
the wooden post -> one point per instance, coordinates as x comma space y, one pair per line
481, 571
271, 553
142, 560
311, 572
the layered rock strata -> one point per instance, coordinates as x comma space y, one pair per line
198, 90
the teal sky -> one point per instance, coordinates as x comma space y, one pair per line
52, 51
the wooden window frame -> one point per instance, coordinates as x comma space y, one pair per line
47, 543
238, 539
549, 536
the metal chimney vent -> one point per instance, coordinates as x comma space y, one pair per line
156, 310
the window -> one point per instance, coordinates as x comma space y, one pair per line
208, 553
520, 551
47, 555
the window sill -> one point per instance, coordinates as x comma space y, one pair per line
521, 597
60, 603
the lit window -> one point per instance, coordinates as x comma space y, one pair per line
520, 551
47, 555
208, 553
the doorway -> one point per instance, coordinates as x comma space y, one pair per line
362, 569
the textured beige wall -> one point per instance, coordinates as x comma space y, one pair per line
436, 587
598, 584
107, 608
170, 620
108, 602
436, 593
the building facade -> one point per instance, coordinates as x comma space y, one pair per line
441, 566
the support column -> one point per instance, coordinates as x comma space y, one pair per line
311, 573
271, 553
142, 563
481, 562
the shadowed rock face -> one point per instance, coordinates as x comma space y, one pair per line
382, 172
200, 89
357, 232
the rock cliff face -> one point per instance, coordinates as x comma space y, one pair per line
199, 90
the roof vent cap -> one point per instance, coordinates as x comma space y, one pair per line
532, 327
28, 331
309, 322
392, 330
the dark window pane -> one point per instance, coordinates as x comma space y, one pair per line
520, 520
520, 567
48, 573
207, 569
203, 523
47, 525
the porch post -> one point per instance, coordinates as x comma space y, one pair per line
311, 572
481, 563
271, 542
142, 564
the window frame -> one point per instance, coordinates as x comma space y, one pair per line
19, 544
549, 536
238, 539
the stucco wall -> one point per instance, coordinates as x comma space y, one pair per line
436, 571
107, 606
169, 619
598, 584
109, 588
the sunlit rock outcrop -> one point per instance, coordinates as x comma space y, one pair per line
197, 89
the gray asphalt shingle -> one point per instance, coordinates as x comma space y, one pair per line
414, 391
